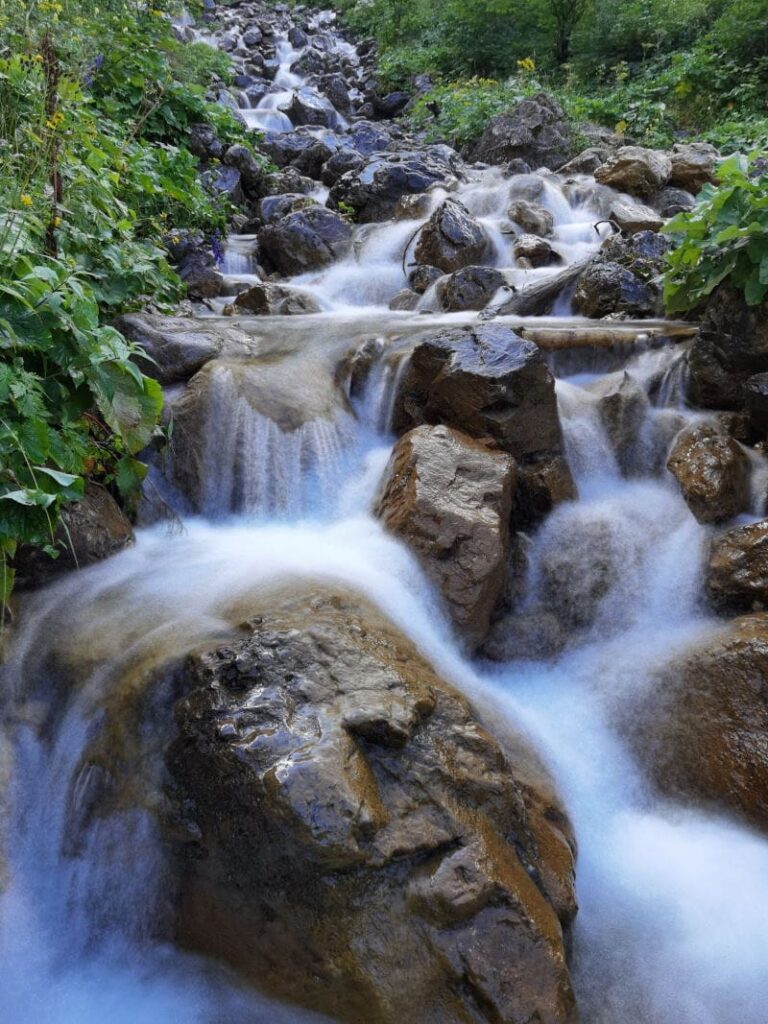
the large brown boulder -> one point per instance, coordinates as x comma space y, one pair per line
364, 846
702, 731
487, 382
536, 131
694, 164
713, 472
449, 497
732, 346
452, 239
638, 171
737, 574
90, 530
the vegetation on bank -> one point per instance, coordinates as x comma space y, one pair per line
651, 69
96, 99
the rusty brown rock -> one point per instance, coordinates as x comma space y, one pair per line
703, 730
364, 846
737, 574
449, 497
713, 472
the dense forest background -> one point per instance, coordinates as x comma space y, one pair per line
653, 67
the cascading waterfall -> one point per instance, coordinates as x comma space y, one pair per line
672, 924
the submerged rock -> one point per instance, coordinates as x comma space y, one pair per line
450, 498
364, 846
487, 382
713, 472
452, 239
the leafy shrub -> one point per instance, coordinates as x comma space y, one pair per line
724, 237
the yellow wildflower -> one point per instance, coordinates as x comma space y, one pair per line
26, 200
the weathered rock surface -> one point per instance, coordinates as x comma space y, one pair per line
452, 239
469, 288
487, 382
450, 498
694, 164
731, 347
535, 251
374, 190
638, 171
702, 731
305, 240
713, 472
364, 846
536, 131
630, 218
91, 530
275, 300
737, 573
606, 288
531, 218
623, 407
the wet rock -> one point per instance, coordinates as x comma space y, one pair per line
367, 138
305, 240
756, 391
422, 277
469, 288
671, 201
713, 473
177, 346
630, 218
737, 573
308, 107
250, 169
204, 143
622, 410
253, 36
485, 381
272, 209
452, 239
543, 483
532, 219
606, 288
449, 497
702, 730
405, 300
537, 252
694, 164
193, 257
288, 180
536, 131
301, 149
413, 207
525, 636
226, 182
374, 191
355, 828
731, 347
638, 171
90, 530
643, 253
275, 300
391, 105
578, 571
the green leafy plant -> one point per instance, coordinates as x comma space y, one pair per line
725, 238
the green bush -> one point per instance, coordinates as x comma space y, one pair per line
724, 238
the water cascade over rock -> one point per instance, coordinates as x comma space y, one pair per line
415, 647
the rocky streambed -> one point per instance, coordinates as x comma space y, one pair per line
430, 686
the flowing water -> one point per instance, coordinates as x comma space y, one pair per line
672, 925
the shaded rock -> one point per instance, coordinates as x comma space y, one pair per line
405, 300
737, 573
533, 219
525, 636
203, 142
694, 164
702, 730
345, 161
713, 472
305, 240
671, 201
191, 252
286, 181
578, 571
422, 277
273, 208
731, 347
90, 530
756, 392
177, 347
392, 104
485, 381
536, 130
412, 207
301, 149
276, 300
526, 187
452, 239
638, 171
373, 191
630, 218
250, 169
537, 252
449, 497
585, 162
365, 847
606, 288
469, 288
543, 484
622, 410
